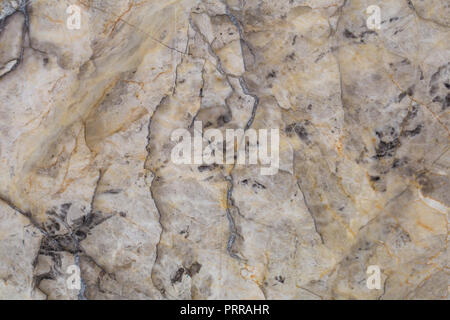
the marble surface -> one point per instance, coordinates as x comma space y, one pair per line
86, 176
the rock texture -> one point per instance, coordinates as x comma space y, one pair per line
86, 176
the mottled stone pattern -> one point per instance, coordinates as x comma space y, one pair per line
86, 176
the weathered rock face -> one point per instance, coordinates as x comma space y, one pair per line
87, 178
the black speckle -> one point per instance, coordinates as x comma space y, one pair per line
299, 130
425, 183
437, 99
348, 34
113, 191
410, 91
291, 56
272, 74
177, 276
203, 168
258, 185
399, 162
51, 212
221, 120
410, 4
386, 149
414, 132
80, 235
412, 113
280, 279
193, 269
66, 206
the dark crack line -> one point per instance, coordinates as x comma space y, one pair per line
230, 202
255, 104
135, 27
25, 32
161, 290
210, 49
413, 8
310, 212
231, 223
81, 294
51, 245
23, 213
236, 23
201, 98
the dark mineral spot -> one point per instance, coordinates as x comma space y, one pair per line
177, 276
258, 185
410, 91
437, 99
386, 149
399, 162
66, 206
113, 191
433, 89
425, 183
348, 34
299, 130
221, 120
194, 269
272, 74
80, 235
291, 56
203, 168
414, 132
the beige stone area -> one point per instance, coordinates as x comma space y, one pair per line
87, 179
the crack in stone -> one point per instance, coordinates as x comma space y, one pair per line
230, 202
51, 245
81, 294
210, 49
236, 23
23, 213
310, 212
133, 26
255, 104
231, 223
413, 8
25, 31
162, 291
